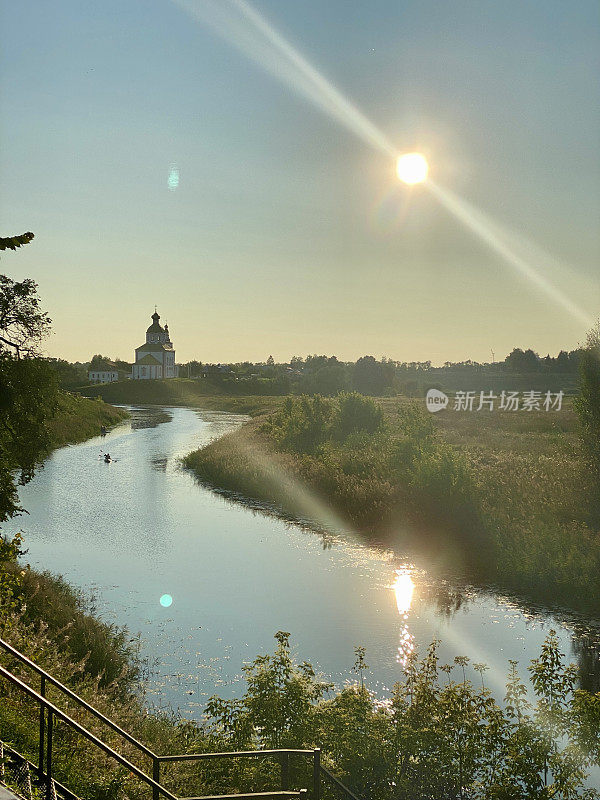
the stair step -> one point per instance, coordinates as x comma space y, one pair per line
6, 794
251, 796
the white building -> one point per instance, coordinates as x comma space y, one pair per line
103, 376
156, 358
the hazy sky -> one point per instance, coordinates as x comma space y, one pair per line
288, 234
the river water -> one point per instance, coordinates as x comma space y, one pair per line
137, 529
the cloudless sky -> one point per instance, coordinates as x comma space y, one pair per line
288, 234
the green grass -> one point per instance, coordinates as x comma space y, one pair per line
79, 418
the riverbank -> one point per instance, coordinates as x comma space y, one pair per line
499, 496
382, 750
49, 620
187, 392
47, 598
79, 418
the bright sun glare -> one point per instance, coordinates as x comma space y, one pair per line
403, 587
412, 168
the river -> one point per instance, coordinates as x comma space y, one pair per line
141, 528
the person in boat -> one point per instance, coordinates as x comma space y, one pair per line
107, 458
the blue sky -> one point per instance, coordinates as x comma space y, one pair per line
287, 233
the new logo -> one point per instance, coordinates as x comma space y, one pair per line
436, 400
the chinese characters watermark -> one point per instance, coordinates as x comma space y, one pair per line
489, 401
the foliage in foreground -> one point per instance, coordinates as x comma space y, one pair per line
34, 415
436, 736
28, 388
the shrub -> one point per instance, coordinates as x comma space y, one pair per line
354, 413
432, 738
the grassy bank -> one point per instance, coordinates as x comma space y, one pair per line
52, 623
79, 418
193, 393
500, 496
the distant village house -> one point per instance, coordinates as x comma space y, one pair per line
103, 376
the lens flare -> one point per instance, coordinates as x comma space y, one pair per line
252, 34
412, 168
166, 600
173, 180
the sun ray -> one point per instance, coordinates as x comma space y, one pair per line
506, 246
242, 26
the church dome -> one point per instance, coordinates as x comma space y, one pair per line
155, 327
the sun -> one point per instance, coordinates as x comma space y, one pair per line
412, 168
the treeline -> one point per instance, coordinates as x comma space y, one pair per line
327, 375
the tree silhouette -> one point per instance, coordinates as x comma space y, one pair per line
12, 242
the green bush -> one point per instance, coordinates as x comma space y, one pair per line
437, 736
303, 424
355, 414
504, 498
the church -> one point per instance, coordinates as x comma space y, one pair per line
155, 358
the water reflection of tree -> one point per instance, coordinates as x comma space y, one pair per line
586, 647
447, 598
450, 596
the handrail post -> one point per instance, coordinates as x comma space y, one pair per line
285, 771
317, 773
49, 755
42, 727
155, 777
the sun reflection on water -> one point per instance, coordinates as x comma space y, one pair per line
404, 588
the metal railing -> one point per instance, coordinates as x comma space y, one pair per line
47, 678
48, 712
283, 755
52, 713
